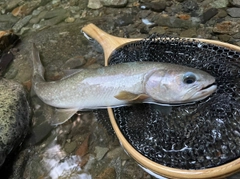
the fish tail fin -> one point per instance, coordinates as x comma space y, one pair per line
38, 69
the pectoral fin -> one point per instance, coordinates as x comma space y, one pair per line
62, 115
128, 96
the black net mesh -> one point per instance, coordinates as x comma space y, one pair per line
202, 135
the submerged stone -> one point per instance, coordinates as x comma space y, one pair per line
114, 3
94, 4
15, 115
234, 12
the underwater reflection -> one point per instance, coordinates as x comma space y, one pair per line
60, 166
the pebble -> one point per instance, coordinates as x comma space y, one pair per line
237, 35
21, 23
219, 3
158, 30
53, 21
235, 3
8, 18
108, 173
117, 152
44, 2
114, 3
70, 147
224, 37
100, 152
175, 22
70, 19
19, 11
221, 13
124, 20
208, 14
226, 27
24, 30
189, 6
94, 4
55, 13
37, 11
183, 16
189, 33
234, 12
12, 4
154, 6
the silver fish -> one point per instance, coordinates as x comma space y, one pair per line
121, 84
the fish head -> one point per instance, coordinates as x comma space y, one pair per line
179, 85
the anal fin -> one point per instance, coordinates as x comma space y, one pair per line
62, 115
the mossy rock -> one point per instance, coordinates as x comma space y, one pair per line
15, 115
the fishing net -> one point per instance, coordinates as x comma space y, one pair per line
197, 136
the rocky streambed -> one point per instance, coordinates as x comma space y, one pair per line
84, 147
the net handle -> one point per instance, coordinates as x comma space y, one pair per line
108, 42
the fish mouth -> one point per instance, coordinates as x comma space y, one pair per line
205, 91
209, 86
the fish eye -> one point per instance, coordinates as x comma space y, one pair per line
189, 78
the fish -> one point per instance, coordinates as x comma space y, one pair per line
120, 85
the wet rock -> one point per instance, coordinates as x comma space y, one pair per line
70, 147
53, 20
189, 6
38, 16
159, 30
54, 13
15, 115
208, 14
100, 152
56, 3
117, 152
21, 23
154, 6
44, 2
183, 16
226, 27
235, 3
224, 37
176, 22
8, 18
94, 4
236, 36
108, 173
189, 33
219, 4
12, 4
41, 128
37, 11
124, 20
234, 12
221, 13
70, 19
114, 3
20, 10
25, 9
